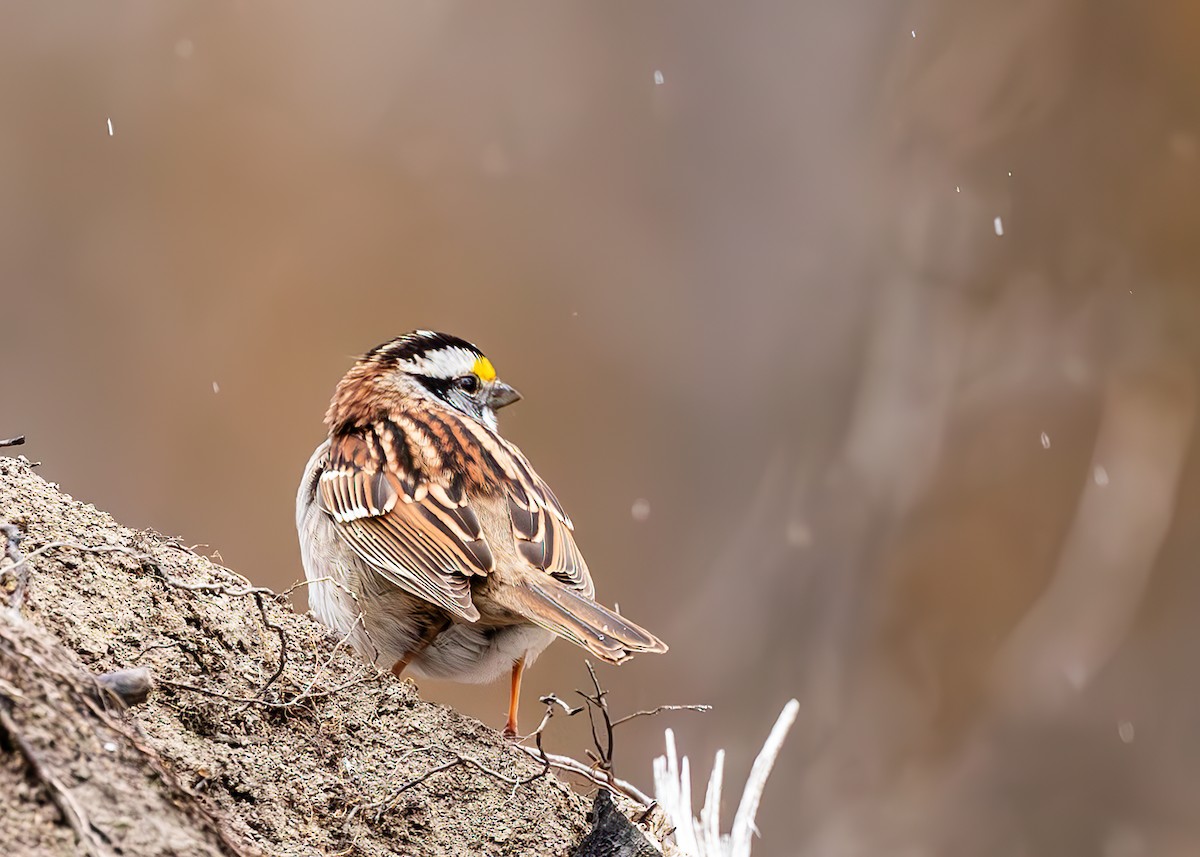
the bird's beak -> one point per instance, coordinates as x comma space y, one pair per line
501, 394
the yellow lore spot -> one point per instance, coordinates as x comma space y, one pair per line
484, 369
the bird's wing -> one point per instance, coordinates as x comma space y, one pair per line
540, 526
421, 535
543, 530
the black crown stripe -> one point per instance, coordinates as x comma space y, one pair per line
414, 345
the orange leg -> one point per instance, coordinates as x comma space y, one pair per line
510, 728
430, 635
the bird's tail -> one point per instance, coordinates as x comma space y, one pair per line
581, 620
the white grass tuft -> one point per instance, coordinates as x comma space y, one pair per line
701, 837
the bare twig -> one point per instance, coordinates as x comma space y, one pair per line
174, 644
537, 752
242, 589
454, 762
309, 581
49, 546
176, 583
283, 645
13, 441
604, 779
598, 702
600, 771
551, 699
308, 691
603, 756
659, 710
391, 800
345, 590
298, 699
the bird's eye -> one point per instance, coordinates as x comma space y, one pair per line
469, 384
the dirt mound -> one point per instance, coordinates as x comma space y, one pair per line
261, 735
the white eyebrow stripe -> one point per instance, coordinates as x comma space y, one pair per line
441, 363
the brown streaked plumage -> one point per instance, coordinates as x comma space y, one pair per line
429, 541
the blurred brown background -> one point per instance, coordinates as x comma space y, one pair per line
933, 481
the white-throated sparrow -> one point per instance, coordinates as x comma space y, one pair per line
428, 540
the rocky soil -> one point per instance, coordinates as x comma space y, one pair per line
261, 735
